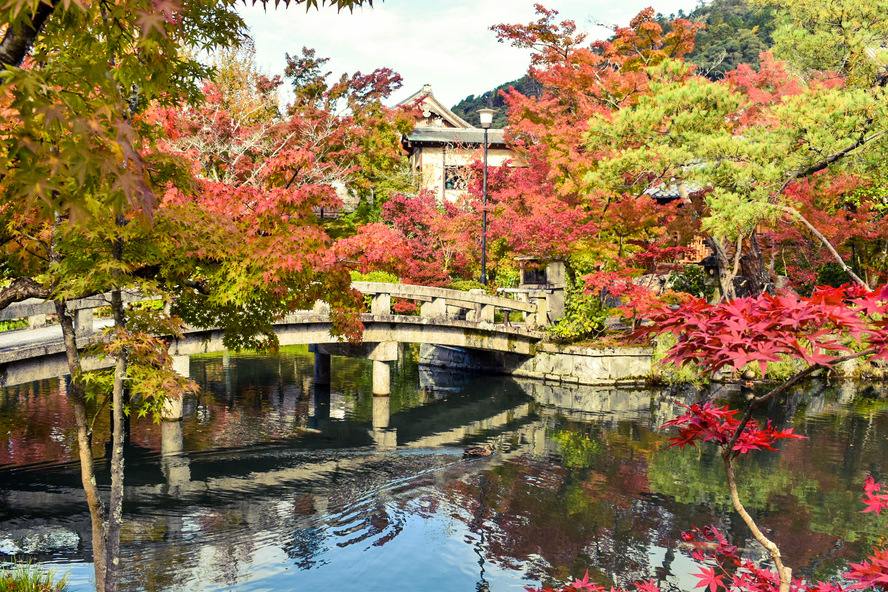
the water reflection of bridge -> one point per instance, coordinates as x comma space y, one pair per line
254, 482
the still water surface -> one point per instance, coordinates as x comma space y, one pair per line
271, 483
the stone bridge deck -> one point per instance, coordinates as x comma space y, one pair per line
447, 317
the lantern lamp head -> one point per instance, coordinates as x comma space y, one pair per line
486, 116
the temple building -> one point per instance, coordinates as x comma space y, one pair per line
442, 145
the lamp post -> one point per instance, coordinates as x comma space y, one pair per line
486, 116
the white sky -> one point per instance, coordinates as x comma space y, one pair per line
446, 43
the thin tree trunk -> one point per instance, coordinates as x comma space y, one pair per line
84, 443
115, 505
77, 394
784, 572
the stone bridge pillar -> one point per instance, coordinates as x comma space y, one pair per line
383, 355
182, 365
319, 408
382, 378
173, 409
321, 365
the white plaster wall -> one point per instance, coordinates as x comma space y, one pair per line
432, 160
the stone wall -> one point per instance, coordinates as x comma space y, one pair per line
568, 365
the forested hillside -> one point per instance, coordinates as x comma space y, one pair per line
736, 32
468, 107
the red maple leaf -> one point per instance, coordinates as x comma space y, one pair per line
708, 578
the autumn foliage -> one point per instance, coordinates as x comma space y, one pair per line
550, 209
439, 237
819, 329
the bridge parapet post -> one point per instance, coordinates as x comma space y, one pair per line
481, 313
435, 308
83, 322
541, 317
381, 304
454, 311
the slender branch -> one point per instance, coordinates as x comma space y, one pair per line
825, 242
832, 158
106, 400
784, 572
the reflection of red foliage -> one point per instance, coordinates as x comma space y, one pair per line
49, 432
726, 569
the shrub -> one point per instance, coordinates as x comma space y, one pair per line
374, 276
692, 280
584, 318
22, 577
13, 324
466, 285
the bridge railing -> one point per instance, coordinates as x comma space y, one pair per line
36, 310
434, 302
474, 306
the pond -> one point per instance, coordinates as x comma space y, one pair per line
273, 483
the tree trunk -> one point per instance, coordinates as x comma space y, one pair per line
756, 279
77, 395
784, 572
724, 268
17, 41
115, 504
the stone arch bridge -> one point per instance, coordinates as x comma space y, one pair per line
470, 320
